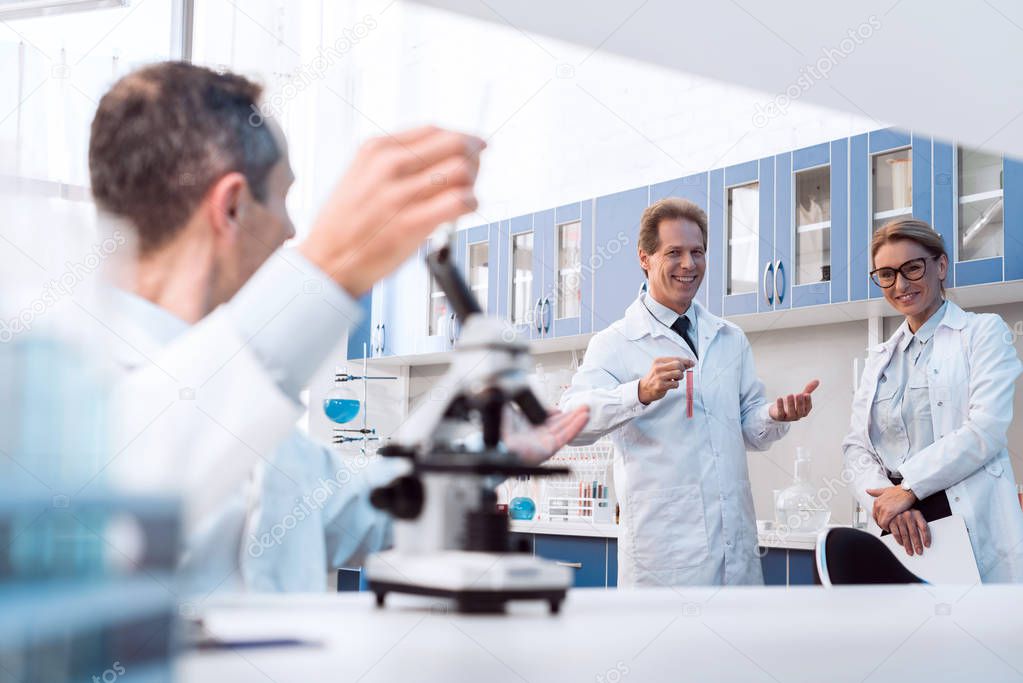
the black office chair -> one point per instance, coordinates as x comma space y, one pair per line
850, 557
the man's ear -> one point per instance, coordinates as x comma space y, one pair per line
644, 260
226, 204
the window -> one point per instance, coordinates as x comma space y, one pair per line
981, 227
522, 278
569, 302
892, 188
743, 238
813, 225
479, 273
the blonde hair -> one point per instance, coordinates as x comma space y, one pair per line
914, 230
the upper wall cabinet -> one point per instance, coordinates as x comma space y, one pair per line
813, 208
617, 277
977, 210
889, 177
750, 266
788, 231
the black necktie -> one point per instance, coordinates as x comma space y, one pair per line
681, 326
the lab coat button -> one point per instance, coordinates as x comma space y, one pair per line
957, 499
941, 403
883, 379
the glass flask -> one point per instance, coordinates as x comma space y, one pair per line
799, 507
342, 404
521, 506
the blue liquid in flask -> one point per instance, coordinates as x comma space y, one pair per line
521, 507
341, 410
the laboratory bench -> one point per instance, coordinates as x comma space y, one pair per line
876, 633
591, 549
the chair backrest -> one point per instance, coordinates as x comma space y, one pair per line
853, 557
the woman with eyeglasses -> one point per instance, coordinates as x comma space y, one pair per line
929, 420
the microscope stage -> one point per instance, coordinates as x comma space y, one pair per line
477, 581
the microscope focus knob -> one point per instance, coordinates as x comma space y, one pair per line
403, 497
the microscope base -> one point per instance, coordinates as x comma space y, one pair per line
477, 582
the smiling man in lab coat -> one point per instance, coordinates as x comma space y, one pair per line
682, 481
217, 329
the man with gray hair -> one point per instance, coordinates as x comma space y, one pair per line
218, 329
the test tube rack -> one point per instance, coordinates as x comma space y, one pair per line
586, 494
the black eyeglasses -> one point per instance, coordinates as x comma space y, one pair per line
913, 269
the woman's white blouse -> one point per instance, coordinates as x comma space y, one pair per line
900, 416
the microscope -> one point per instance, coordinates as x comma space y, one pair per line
450, 540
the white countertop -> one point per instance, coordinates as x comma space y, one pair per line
873, 633
574, 528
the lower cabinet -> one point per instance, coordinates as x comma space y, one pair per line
594, 562
788, 567
588, 557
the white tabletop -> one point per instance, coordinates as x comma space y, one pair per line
887, 633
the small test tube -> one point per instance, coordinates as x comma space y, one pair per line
689, 394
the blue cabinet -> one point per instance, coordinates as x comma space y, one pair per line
889, 177
977, 210
586, 556
773, 244
476, 259
788, 567
566, 238
812, 210
742, 201
617, 277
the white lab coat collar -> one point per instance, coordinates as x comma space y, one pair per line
954, 318
161, 324
638, 323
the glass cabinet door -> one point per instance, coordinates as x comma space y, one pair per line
522, 278
743, 238
569, 302
437, 323
813, 225
892, 186
479, 273
980, 188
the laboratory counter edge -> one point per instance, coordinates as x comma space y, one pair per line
855, 633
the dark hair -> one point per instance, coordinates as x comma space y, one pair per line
670, 208
163, 135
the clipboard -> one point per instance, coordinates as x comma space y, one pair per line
949, 560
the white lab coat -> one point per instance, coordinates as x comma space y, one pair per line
266, 508
683, 485
972, 375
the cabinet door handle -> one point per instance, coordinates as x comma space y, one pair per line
768, 269
779, 269
375, 339
571, 565
451, 329
536, 315
383, 336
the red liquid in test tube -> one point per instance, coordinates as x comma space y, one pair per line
689, 394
